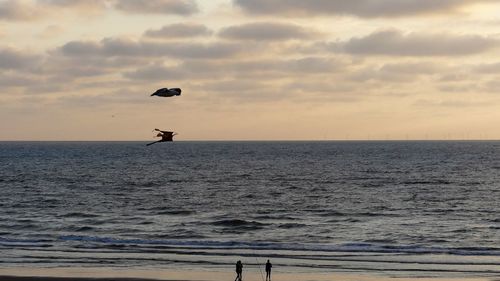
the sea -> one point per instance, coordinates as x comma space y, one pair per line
389, 208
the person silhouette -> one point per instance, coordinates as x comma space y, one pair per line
239, 271
268, 270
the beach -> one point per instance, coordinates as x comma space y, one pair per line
101, 274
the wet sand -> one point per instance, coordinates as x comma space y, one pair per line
102, 274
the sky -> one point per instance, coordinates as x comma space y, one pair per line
250, 69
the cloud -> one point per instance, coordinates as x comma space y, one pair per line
312, 65
455, 76
154, 73
27, 10
242, 91
450, 103
261, 68
177, 7
179, 30
411, 68
111, 47
15, 80
265, 31
119, 96
80, 4
487, 68
396, 43
14, 59
51, 31
360, 8
73, 66
18, 10
456, 87
397, 72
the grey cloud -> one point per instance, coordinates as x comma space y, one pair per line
487, 68
31, 10
452, 77
178, 7
76, 72
13, 59
411, 68
396, 43
51, 31
14, 80
459, 87
63, 71
194, 50
75, 67
92, 4
121, 96
398, 72
154, 73
450, 103
313, 65
472, 86
235, 86
179, 30
266, 31
118, 47
264, 68
360, 8
18, 10
320, 91
27, 83
80, 48
321, 87
492, 86
247, 91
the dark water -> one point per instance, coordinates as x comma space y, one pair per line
392, 208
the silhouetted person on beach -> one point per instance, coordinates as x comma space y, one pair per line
268, 269
165, 136
239, 271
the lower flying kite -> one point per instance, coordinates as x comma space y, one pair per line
165, 136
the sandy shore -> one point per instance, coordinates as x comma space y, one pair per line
102, 274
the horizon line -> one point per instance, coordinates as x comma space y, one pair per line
263, 140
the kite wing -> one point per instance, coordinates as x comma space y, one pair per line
177, 90
160, 92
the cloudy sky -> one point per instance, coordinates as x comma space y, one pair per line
250, 69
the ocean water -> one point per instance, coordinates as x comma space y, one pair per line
410, 209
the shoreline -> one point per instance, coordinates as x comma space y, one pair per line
125, 274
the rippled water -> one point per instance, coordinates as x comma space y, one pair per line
397, 208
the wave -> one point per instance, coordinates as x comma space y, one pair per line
79, 215
326, 248
176, 212
20, 242
79, 228
238, 223
168, 211
291, 225
427, 182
